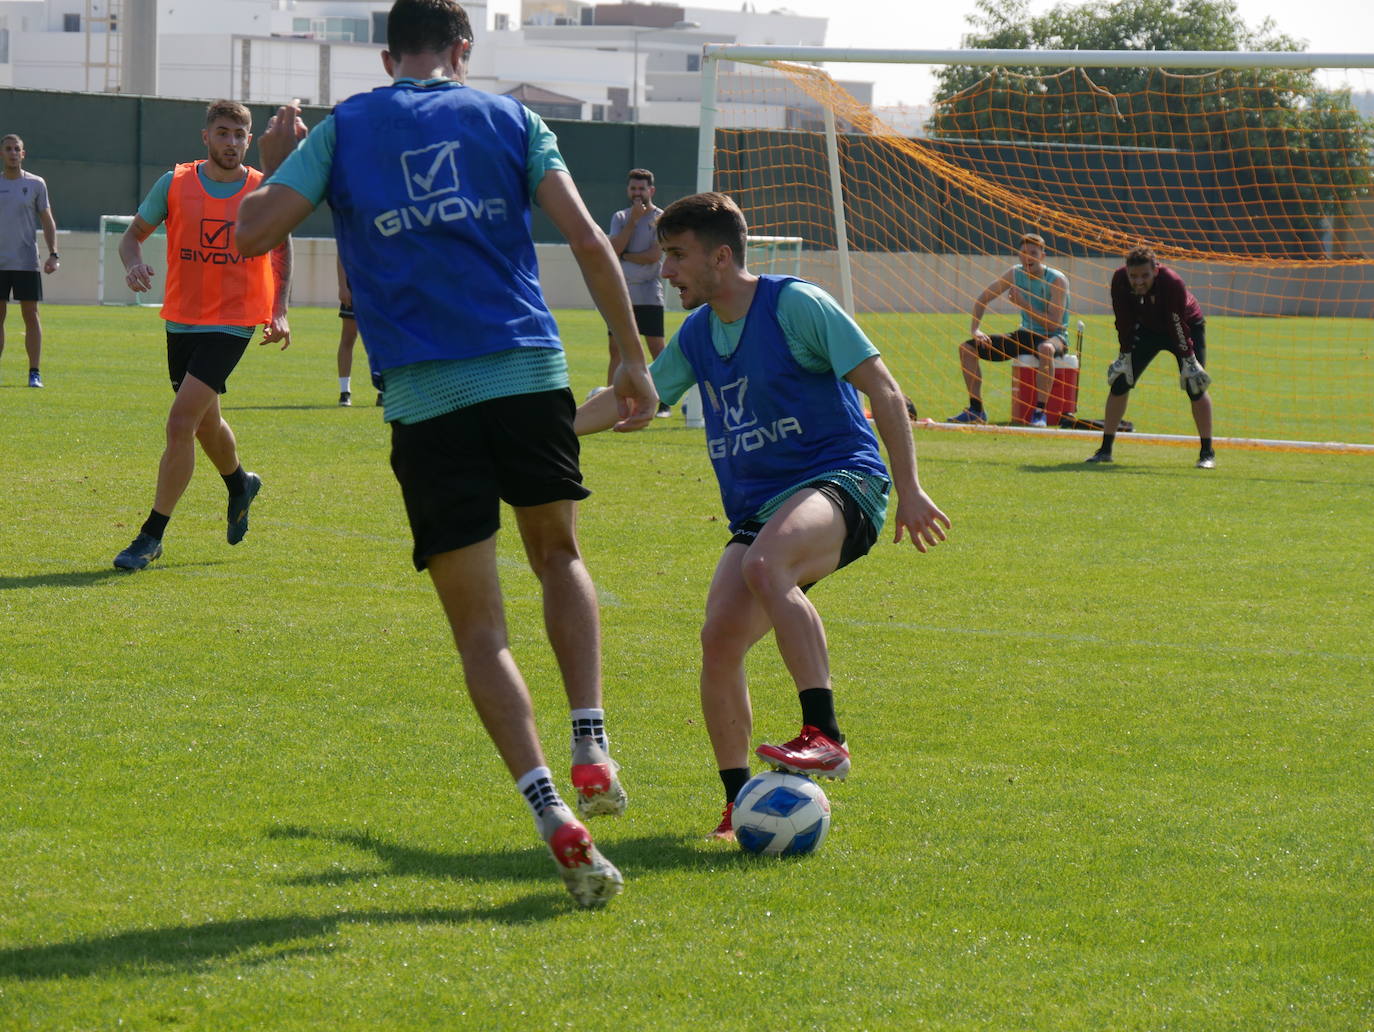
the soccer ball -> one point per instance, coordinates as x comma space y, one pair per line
779, 814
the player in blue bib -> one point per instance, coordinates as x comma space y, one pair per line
780, 366
431, 184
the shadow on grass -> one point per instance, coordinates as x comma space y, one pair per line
633, 856
243, 941
247, 941
90, 578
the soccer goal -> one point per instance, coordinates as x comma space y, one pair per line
1248, 173
110, 286
779, 255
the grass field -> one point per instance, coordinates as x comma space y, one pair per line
1112, 742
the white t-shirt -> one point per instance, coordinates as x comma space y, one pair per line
22, 201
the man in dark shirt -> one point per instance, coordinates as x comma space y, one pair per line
1156, 312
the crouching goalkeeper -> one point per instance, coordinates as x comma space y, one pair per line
1155, 311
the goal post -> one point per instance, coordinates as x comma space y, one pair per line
1245, 172
110, 287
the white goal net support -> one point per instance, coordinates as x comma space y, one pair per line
111, 288
1251, 174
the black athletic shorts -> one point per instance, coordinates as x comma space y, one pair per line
860, 533
1148, 345
27, 285
648, 320
1006, 346
456, 469
209, 357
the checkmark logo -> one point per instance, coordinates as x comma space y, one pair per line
216, 233
431, 171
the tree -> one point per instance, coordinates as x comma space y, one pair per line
1304, 146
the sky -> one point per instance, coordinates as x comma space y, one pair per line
1329, 26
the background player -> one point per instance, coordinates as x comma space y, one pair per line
24, 208
212, 310
1042, 295
1155, 311
634, 236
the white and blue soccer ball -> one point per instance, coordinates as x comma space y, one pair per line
781, 814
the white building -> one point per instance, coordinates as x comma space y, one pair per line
605, 62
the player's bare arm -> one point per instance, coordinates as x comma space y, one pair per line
916, 513
138, 274
636, 399
49, 225
278, 328
990, 293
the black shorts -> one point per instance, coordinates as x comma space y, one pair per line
1148, 345
27, 285
860, 533
346, 312
209, 357
456, 469
648, 320
1006, 346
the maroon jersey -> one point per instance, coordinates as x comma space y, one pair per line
1167, 309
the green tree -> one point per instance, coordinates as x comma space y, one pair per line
1305, 146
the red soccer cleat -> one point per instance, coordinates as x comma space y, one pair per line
812, 753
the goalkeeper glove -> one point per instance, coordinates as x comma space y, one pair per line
1121, 367
1193, 378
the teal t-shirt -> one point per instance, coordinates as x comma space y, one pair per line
821, 337
153, 211
413, 393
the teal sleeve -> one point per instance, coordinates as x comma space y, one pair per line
820, 333
541, 155
307, 168
153, 210
672, 373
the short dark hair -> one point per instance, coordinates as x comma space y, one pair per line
1032, 238
640, 173
12, 136
230, 109
426, 26
713, 217
1141, 256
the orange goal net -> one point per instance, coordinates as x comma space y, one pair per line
1254, 184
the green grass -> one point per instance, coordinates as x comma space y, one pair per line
1289, 379
1111, 742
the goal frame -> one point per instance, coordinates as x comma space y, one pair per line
715, 53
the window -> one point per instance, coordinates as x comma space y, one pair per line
502, 22
71, 23
694, 62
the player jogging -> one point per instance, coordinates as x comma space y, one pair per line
431, 184
212, 305
805, 489
1156, 312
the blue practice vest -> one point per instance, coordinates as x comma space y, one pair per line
1037, 291
432, 216
790, 426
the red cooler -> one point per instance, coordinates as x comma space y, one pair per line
1063, 394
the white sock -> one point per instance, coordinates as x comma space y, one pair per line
344, 382
590, 723
539, 791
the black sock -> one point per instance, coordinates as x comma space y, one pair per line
975, 403
1206, 445
818, 710
733, 778
155, 526
33, 370
237, 481
1107, 440
1040, 404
